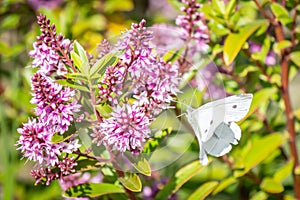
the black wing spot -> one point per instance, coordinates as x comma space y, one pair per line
205, 131
234, 106
211, 122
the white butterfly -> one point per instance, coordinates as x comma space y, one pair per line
214, 124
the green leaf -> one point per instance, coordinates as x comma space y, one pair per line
76, 76
261, 55
57, 137
281, 45
142, 165
271, 186
79, 50
281, 13
235, 41
262, 149
104, 110
284, 171
219, 7
131, 181
86, 165
288, 197
73, 128
243, 71
295, 57
203, 191
172, 55
77, 61
224, 184
101, 65
152, 143
219, 29
92, 190
297, 170
71, 84
118, 5
260, 98
181, 177
261, 195
230, 8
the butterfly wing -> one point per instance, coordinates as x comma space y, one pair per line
214, 126
195, 125
204, 120
222, 139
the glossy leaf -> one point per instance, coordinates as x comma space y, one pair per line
77, 61
142, 165
230, 7
203, 191
131, 181
284, 171
224, 184
73, 85
104, 110
181, 177
172, 55
295, 57
57, 137
79, 50
271, 186
260, 98
281, 13
261, 55
92, 190
261, 195
86, 165
281, 45
102, 64
76, 76
152, 143
262, 148
219, 7
235, 41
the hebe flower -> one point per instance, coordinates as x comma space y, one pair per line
54, 103
47, 175
44, 175
55, 109
152, 80
104, 48
141, 76
45, 53
112, 83
192, 23
35, 143
126, 129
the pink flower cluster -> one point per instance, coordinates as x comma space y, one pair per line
48, 48
193, 25
55, 108
54, 103
138, 88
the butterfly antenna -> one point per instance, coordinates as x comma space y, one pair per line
181, 115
